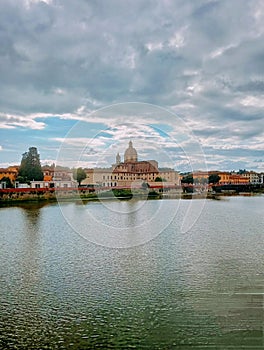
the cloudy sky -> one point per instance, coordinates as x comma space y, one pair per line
180, 78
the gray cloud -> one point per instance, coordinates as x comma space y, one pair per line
203, 60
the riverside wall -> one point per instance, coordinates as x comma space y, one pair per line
46, 194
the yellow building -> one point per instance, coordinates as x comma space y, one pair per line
252, 177
200, 177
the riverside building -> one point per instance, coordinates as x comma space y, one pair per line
130, 172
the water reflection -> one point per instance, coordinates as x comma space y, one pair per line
200, 289
31, 245
32, 215
27, 205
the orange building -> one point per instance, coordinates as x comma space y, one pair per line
11, 172
225, 177
230, 178
53, 172
202, 177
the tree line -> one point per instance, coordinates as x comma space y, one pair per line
212, 179
30, 170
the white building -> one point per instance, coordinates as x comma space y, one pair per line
54, 184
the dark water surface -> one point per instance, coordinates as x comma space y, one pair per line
202, 289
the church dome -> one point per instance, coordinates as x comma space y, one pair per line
130, 153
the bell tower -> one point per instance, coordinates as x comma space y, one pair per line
118, 158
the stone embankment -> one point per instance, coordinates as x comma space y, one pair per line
42, 194
14, 195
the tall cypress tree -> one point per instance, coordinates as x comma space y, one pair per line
30, 168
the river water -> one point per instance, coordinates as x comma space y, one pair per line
200, 288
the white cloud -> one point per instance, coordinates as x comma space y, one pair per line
154, 46
177, 40
81, 141
59, 91
258, 15
9, 121
194, 89
253, 101
28, 3
222, 50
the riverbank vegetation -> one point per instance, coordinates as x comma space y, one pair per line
121, 194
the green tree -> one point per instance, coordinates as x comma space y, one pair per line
214, 178
187, 179
30, 167
79, 175
20, 179
7, 181
160, 179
